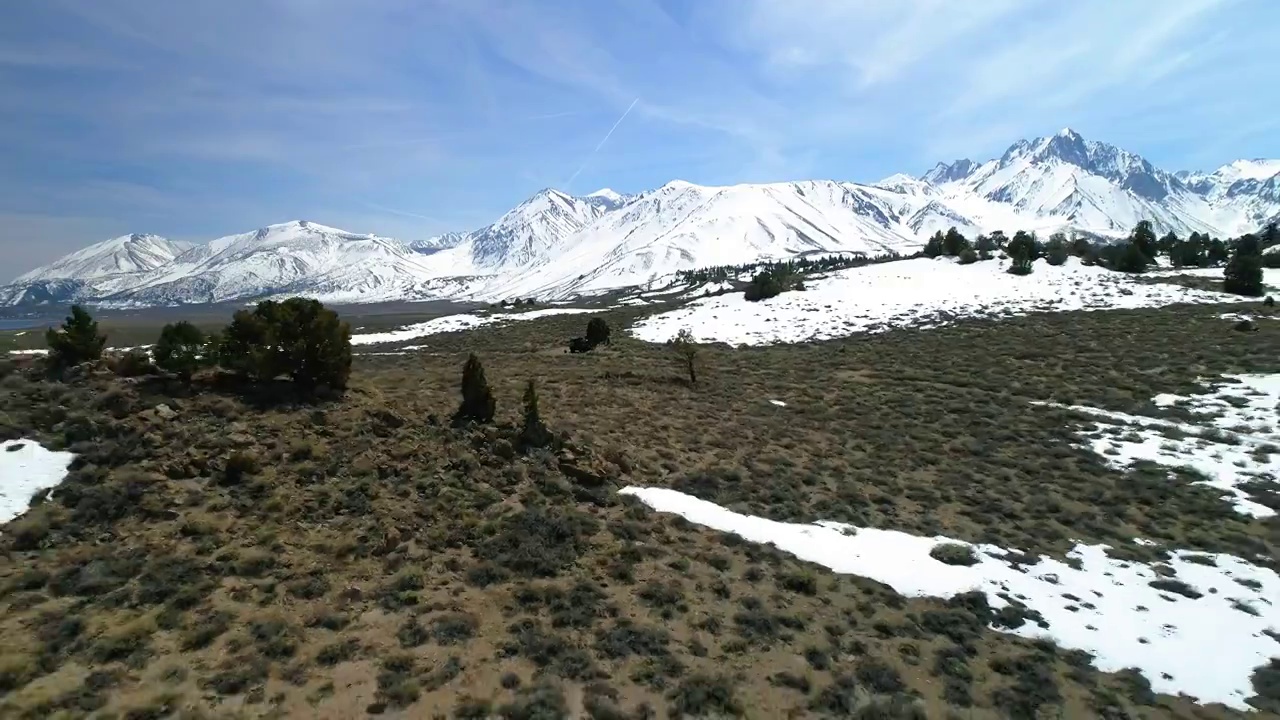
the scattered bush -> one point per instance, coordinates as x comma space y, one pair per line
703, 695
478, 405
687, 352
180, 349
77, 341
968, 256
954, 554
133, 363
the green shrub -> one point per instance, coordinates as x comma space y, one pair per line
763, 286
478, 404
598, 332
180, 349
77, 341
968, 256
298, 337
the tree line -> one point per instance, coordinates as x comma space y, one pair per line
299, 338
1242, 258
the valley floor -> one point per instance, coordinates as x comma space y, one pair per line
361, 557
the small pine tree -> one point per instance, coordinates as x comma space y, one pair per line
77, 341
764, 285
1217, 252
179, 349
1243, 274
1021, 260
1023, 242
1131, 258
478, 404
933, 248
1056, 251
687, 352
1080, 246
1144, 237
533, 432
598, 332
953, 243
1166, 244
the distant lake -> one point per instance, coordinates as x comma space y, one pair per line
20, 324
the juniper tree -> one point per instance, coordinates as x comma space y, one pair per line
180, 349
1243, 274
1056, 250
953, 243
1144, 237
933, 248
533, 432
598, 332
478, 404
77, 341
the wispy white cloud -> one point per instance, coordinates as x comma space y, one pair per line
418, 116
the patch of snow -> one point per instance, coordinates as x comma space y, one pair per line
1236, 420
919, 292
1119, 617
36, 351
779, 403
25, 470
453, 323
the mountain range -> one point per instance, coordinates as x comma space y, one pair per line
555, 245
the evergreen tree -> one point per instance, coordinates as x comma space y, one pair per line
478, 404
1080, 246
298, 337
1166, 245
764, 285
999, 239
1243, 273
1056, 250
953, 243
77, 341
1216, 252
933, 248
1022, 244
1144, 237
1131, 258
968, 256
598, 332
533, 432
985, 247
1270, 236
1021, 259
180, 349
687, 351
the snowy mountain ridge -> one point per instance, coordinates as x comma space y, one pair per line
555, 245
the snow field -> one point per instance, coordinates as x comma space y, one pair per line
452, 323
911, 293
26, 467
1235, 441
1106, 607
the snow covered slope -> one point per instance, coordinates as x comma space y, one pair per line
125, 254
555, 245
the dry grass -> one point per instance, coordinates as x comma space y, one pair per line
362, 557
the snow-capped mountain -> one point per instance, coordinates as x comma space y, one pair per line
125, 254
556, 245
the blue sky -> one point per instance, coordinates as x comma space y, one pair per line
408, 118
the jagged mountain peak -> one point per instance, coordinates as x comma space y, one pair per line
943, 173
553, 244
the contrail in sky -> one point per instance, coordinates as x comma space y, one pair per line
602, 142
